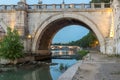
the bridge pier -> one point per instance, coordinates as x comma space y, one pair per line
102, 48
109, 46
116, 11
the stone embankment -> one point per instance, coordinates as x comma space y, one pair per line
95, 66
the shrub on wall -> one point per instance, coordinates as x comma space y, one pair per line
11, 47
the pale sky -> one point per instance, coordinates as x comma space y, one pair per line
70, 33
44, 1
67, 34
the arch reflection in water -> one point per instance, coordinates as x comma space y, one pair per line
37, 72
62, 52
42, 72
55, 69
28, 73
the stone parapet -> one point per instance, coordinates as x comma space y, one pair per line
24, 6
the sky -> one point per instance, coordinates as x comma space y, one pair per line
67, 34
44, 1
70, 33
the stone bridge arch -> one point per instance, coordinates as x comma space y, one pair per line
50, 27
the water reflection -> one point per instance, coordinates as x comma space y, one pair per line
55, 71
62, 52
41, 72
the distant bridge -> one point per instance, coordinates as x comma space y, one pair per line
54, 47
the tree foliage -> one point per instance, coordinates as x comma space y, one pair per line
86, 41
100, 1
11, 46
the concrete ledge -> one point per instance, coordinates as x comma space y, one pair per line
20, 60
68, 75
42, 52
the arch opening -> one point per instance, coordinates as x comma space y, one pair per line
47, 31
46, 38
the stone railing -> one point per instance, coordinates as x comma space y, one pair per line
8, 7
56, 6
69, 6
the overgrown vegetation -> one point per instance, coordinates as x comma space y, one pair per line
114, 55
82, 53
11, 46
63, 67
115, 73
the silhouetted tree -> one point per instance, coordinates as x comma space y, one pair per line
86, 41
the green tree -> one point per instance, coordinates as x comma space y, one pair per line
11, 46
86, 41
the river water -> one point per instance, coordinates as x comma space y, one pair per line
40, 72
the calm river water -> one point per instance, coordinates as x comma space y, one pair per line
41, 72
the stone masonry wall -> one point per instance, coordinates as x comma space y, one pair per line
116, 9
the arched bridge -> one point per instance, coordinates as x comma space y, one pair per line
42, 21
